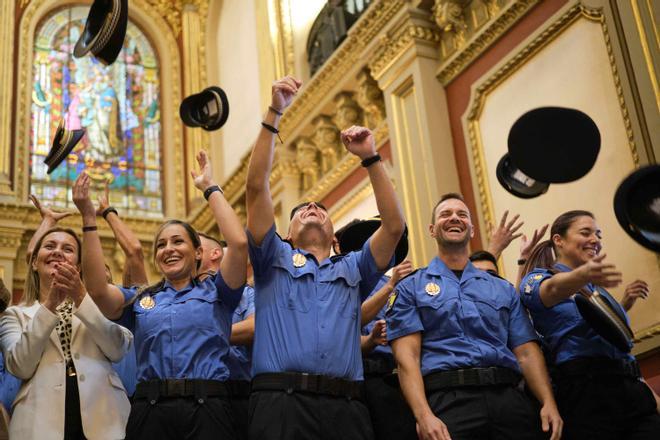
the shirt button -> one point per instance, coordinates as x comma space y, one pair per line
81, 378
322, 355
76, 356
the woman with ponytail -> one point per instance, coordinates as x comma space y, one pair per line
598, 387
181, 324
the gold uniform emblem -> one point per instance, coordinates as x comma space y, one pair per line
299, 260
390, 301
432, 289
537, 277
147, 303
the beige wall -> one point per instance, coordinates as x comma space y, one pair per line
572, 71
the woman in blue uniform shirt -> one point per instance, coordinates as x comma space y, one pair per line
597, 386
181, 324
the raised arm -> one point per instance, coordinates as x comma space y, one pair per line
536, 376
360, 141
526, 248
107, 297
376, 302
504, 234
407, 351
233, 266
562, 285
258, 197
49, 219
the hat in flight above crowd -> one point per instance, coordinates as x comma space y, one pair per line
637, 206
548, 145
605, 318
208, 109
104, 31
63, 143
352, 236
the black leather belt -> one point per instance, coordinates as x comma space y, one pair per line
310, 383
238, 388
599, 367
470, 377
201, 388
378, 365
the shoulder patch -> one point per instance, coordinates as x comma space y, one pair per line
391, 300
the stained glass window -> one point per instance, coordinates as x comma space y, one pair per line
117, 105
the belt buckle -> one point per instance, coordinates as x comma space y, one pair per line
176, 387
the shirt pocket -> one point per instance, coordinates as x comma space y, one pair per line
438, 314
200, 307
295, 287
494, 311
148, 321
342, 285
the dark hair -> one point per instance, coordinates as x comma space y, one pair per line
442, 199
220, 243
5, 296
158, 286
483, 256
544, 253
301, 205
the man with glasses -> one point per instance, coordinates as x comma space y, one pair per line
307, 366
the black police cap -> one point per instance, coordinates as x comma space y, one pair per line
517, 182
208, 109
637, 206
605, 318
63, 142
554, 144
353, 236
104, 31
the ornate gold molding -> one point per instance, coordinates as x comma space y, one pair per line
349, 202
7, 18
515, 62
454, 62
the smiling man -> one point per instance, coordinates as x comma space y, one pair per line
307, 364
461, 340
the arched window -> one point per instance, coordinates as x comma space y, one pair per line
118, 106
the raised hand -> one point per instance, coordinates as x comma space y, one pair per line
67, 279
103, 199
636, 289
601, 274
400, 271
80, 193
527, 246
47, 213
504, 234
204, 177
283, 92
359, 141
56, 294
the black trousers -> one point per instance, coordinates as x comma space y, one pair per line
179, 418
391, 417
276, 415
73, 429
491, 412
607, 408
239, 409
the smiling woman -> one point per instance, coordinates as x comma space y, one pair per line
181, 323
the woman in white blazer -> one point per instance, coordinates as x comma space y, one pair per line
61, 345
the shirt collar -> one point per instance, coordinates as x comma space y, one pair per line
168, 285
439, 268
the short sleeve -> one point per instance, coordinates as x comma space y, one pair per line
402, 314
369, 273
231, 297
127, 318
520, 326
262, 256
249, 296
530, 288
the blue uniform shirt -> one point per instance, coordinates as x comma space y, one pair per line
126, 368
473, 322
9, 385
308, 314
239, 360
567, 334
379, 350
185, 335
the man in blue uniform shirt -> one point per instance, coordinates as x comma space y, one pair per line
306, 362
461, 339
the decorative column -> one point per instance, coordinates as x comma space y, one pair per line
288, 190
7, 17
10, 242
196, 138
326, 138
348, 111
405, 65
370, 98
306, 159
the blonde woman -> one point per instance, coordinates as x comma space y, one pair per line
58, 342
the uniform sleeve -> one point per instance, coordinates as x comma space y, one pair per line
249, 296
520, 326
231, 297
262, 256
530, 288
369, 273
402, 314
127, 318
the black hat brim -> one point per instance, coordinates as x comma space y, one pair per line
60, 152
194, 109
637, 206
516, 182
554, 144
353, 237
605, 321
104, 44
